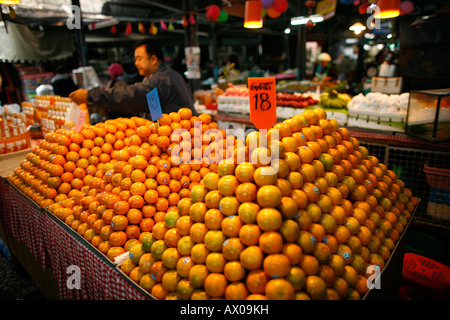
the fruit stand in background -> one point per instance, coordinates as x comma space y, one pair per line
49, 113
235, 100
379, 111
14, 136
219, 221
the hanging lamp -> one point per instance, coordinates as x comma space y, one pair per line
9, 2
358, 27
387, 9
252, 16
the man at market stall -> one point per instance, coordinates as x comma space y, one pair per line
172, 90
325, 70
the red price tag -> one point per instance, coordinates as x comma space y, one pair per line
263, 101
81, 120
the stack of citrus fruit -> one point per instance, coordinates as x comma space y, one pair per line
298, 212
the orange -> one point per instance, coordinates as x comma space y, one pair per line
249, 234
345, 252
229, 205
279, 289
236, 291
306, 241
276, 265
113, 252
171, 237
246, 192
295, 178
256, 281
305, 153
197, 275
271, 242
234, 271
265, 176
308, 172
309, 264
293, 252
199, 252
322, 253
198, 231
215, 285
288, 207
296, 278
285, 187
300, 198
311, 191
185, 245
327, 274
341, 287
231, 226
269, 219
227, 185
289, 230
212, 199
215, 262
315, 287
251, 258
119, 223
244, 172
293, 160
214, 240
269, 196
117, 238
342, 234
232, 248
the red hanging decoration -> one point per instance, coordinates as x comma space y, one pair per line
113, 29
310, 3
185, 22
213, 12
310, 24
128, 29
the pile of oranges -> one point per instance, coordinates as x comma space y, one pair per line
203, 215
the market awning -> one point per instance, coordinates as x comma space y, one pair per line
25, 43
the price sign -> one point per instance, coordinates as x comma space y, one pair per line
263, 101
81, 120
154, 105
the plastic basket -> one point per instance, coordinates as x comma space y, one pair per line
425, 272
437, 177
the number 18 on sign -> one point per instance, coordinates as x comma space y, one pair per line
263, 101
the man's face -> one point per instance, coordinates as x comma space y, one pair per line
146, 65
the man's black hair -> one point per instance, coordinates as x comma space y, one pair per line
152, 47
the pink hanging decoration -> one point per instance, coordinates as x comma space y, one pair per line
163, 25
191, 19
406, 7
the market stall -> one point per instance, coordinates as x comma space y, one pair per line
279, 189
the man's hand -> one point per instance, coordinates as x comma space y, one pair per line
79, 96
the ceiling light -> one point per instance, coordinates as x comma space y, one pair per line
315, 18
9, 2
287, 30
357, 28
253, 11
387, 9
